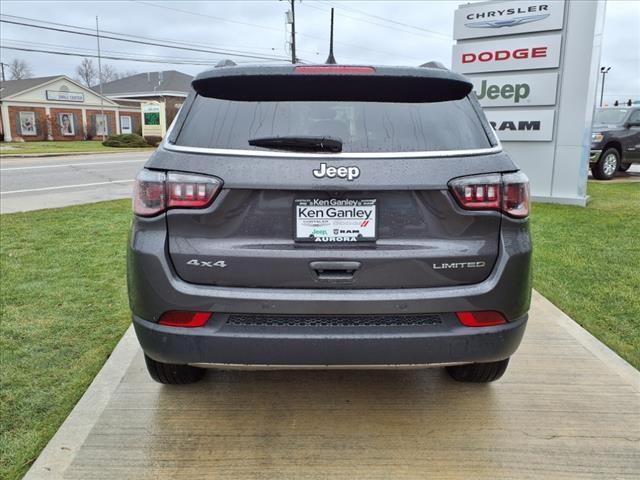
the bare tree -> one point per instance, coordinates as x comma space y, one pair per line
19, 69
109, 73
87, 72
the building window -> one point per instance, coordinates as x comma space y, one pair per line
27, 123
66, 124
125, 124
102, 127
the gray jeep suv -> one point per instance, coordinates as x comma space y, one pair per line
307, 216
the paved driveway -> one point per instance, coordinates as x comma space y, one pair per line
567, 408
47, 182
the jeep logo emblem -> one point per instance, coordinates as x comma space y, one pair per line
350, 173
508, 91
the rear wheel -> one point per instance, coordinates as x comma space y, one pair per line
607, 166
171, 374
624, 167
478, 372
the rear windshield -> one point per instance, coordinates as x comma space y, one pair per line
361, 126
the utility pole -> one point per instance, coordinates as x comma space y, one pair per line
293, 32
2, 65
104, 119
604, 71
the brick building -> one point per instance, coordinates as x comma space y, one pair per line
168, 88
58, 108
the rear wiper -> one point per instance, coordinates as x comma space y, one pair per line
302, 143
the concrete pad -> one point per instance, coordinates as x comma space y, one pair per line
567, 408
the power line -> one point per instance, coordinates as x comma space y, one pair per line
388, 20
431, 34
209, 46
261, 57
111, 57
10, 42
199, 14
298, 33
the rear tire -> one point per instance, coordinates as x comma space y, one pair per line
478, 372
624, 167
607, 165
171, 374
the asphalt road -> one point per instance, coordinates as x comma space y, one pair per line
49, 182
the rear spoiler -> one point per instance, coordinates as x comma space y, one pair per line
332, 83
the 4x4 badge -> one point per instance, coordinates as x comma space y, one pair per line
201, 263
350, 173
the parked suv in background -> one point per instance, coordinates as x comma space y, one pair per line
615, 141
330, 216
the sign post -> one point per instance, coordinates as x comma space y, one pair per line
534, 66
153, 119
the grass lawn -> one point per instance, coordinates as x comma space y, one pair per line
587, 262
64, 307
75, 146
64, 304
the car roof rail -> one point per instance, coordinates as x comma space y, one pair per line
226, 63
433, 64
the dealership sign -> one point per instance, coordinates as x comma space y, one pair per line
534, 67
490, 19
512, 91
522, 125
65, 96
526, 53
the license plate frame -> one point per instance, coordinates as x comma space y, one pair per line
345, 228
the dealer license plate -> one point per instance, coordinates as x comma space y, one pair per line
335, 220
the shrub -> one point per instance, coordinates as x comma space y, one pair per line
153, 140
129, 140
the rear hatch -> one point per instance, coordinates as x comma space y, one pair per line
332, 179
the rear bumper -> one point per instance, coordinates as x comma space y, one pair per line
220, 345
154, 288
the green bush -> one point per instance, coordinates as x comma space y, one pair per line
129, 140
154, 141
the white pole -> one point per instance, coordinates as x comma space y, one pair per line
104, 127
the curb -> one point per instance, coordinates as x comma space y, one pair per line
610, 358
62, 448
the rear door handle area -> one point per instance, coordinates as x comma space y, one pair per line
335, 271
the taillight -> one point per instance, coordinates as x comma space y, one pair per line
515, 194
155, 192
148, 193
481, 319
191, 191
508, 193
185, 319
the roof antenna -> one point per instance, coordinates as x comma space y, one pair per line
331, 59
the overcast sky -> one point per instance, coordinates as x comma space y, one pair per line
369, 32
